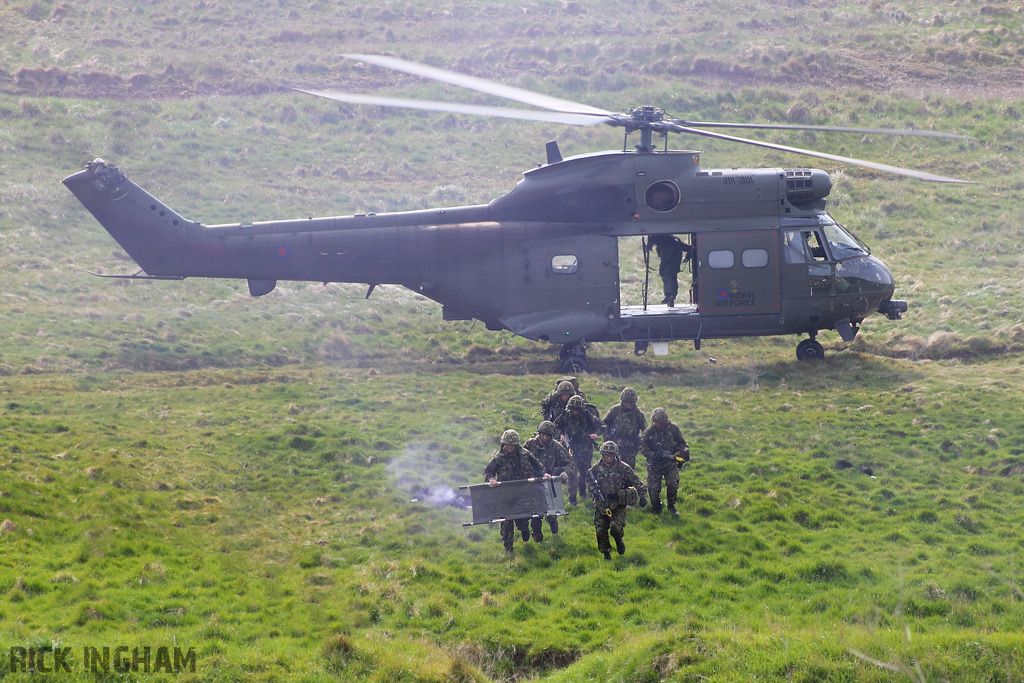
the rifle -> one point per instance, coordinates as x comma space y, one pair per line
598, 494
679, 459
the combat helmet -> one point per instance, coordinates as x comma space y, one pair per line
547, 427
510, 436
565, 387
659, 416
628, 394
576, 402
610, 448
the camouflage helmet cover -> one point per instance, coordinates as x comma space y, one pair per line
547, 427
609, 448
628, 394
659, 416
510, 436
565, 387
576, 402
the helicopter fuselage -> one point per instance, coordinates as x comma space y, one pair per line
544, 260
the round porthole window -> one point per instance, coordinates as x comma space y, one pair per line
662, 196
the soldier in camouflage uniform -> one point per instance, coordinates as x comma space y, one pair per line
555, 459
624, 424
609, 479
510, 463
554, 404
579, 430
666, 450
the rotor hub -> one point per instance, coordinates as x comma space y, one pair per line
648, 115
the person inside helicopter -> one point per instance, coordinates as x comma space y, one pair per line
671, 250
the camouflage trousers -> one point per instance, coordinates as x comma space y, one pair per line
573, 486
668, 472
603, 525
508, 531
582, 464
525, 527
670, 283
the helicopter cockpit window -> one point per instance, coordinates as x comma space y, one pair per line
842, 243
721, 259
794, 247
662, 196
564, 264
814, 246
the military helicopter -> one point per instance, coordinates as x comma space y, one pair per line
543, 261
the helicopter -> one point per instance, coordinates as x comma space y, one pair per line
543, 261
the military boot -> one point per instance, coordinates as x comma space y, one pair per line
607, 555
672, 509
620, 545
554, 526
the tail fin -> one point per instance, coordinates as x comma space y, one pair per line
152, 234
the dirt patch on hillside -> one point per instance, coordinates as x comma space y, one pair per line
843, 70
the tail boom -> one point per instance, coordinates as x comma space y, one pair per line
153, 235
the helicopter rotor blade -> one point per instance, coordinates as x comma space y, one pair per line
574, 113
830, 129
910, 173
480, 85
460, 108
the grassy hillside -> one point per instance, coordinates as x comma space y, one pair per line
184, 465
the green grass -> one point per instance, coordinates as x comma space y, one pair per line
181, 464
260, 516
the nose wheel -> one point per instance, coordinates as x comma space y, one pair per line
573, 358
810, 349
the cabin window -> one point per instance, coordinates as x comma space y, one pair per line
721, 259
754, 258
662, 196
564, 264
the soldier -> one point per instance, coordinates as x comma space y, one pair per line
554, 404
579, 430
625, 424
510, 463
670, 250
610, 480
666, 450
555, 459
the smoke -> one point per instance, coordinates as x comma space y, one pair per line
420, 473
440, 497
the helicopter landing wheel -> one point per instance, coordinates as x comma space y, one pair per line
810, 349
574, 358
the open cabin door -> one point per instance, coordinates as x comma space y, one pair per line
738, 272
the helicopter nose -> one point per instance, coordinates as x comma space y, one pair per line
870, 280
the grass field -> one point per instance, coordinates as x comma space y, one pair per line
184, 466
